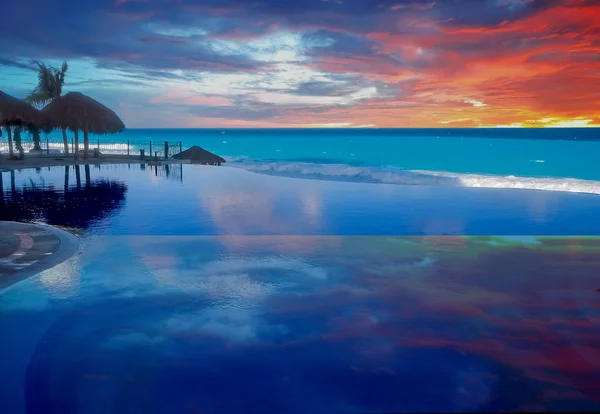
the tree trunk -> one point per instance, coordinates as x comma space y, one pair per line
78, 177
86, 143
13, 184
66, 179
76, 144
88, 178
65, 141
18, 141
10, 142
36, 139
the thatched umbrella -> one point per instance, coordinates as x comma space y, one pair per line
18, 113
79, 112
200, 156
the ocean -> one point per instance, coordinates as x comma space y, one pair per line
559, 159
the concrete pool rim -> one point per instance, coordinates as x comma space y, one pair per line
65, 246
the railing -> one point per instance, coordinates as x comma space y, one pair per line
54, 145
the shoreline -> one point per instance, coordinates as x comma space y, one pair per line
58, 160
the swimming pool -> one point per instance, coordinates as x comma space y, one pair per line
218, 290
201, 200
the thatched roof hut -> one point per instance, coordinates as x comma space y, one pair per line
18, 113
79, 112
200, 156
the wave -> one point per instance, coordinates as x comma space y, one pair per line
393, 175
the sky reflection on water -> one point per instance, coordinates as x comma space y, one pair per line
354, 324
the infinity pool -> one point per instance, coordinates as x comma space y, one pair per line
201, 200
215, 290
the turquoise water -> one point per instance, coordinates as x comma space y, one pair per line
543, 159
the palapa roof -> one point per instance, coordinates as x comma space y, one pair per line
200, 155
17, 112
77, 111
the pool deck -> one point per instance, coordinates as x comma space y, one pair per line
28, 249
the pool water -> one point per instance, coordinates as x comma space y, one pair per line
202, 200
216, 290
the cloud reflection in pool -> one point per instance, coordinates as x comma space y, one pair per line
358, 324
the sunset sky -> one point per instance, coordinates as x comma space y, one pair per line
315, 63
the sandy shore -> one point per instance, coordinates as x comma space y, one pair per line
57, 160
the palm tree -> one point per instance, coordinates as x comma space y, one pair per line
50, 84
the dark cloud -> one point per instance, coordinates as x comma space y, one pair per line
347, 84
17, 64
322, 88
125, 33
486, 12
325, 41
105, 83
249, 108
355, 44
256, 111
92, 29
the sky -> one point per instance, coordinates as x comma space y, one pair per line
316, 63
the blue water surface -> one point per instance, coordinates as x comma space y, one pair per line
202, 200
217, 290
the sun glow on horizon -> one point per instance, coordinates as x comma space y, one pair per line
551, 123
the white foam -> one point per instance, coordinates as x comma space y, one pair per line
391, 175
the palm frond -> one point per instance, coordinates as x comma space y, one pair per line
37, 98
50, 84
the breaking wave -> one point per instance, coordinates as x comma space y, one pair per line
392, 175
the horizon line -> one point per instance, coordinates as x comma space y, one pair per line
369, 128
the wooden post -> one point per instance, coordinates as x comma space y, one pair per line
180, 147
127, 147
155, 155
77, 175
86, 143
13, 183
150, 148
88, 180
66, 179
166, 150
77, 145
47, 146
98, 146
10, 141
142, 154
